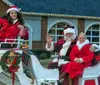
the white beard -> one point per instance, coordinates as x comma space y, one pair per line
64, 49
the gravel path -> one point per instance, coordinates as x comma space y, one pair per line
1, 83
6, 80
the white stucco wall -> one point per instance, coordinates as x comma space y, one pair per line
35, 24
89, 23
52, 21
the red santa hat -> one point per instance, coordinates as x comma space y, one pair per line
15, 8
70, 30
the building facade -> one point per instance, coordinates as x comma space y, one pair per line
40, 24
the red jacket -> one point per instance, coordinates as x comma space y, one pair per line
7, 30
74, 68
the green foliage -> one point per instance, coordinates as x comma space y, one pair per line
3, 62
41, 54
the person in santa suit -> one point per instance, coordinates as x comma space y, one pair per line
96, 49
10, 24
63, 46
80, 56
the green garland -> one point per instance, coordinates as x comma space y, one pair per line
5, 67
3, 61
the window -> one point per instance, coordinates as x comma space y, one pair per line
93, 34
56, 31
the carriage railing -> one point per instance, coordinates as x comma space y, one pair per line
17, 42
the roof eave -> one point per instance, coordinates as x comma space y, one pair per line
7, 2
53, 15
60, 15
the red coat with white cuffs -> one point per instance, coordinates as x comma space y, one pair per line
8, 30
73, 68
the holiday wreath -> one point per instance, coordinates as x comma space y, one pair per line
10, 62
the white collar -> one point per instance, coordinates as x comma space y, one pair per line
80, 45
15, 21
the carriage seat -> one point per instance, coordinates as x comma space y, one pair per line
44, 75
92, 72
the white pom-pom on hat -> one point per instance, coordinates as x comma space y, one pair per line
12, 8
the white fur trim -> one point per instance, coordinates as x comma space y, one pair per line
69, 30
64, 49
97, 47
15, 21
80, 45
61, 61
11, 9
51, 48
55, 60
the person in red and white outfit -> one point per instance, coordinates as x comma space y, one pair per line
63, 46
80, 56
96, 49
10, 24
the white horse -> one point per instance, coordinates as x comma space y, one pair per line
41, 74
